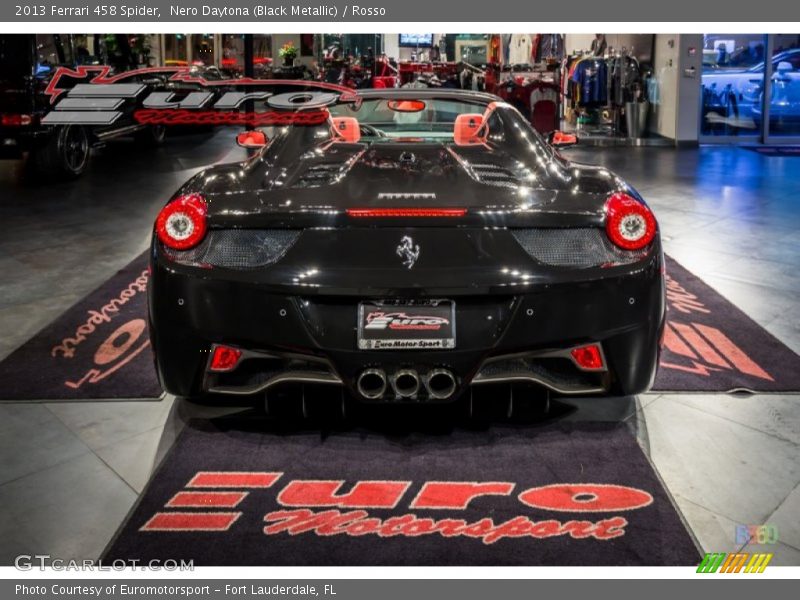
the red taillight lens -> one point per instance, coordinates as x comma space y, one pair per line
405, 212
16, 120
224, 358
181, 224
588, 358
629, 223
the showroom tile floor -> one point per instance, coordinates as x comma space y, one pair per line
70, 472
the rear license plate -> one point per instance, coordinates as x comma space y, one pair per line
407, 325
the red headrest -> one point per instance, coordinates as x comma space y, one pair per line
385, 81
347, 129
466, 128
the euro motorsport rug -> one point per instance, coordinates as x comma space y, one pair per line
712, 346
240, 492
99, 348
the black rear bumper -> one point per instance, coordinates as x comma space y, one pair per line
623, 310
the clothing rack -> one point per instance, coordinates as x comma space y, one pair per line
445, 74
534, 93
596, 88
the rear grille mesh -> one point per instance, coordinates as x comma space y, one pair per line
492, 174
237, 248
581, 247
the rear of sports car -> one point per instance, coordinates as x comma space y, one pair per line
406, 271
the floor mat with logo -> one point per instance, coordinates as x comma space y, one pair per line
241, 492
97, 349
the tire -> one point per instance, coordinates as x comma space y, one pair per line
507, 403
324, 405
285, 403
529, 403
65, 155
488, 404
151, 136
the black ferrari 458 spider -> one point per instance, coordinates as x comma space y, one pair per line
418, 246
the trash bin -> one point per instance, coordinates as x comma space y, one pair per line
636, 114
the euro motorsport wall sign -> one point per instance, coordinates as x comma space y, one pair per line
469, 11
92, 95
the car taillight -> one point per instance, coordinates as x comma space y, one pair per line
181, 224
629, 223
16, 120
588, 358
224, 358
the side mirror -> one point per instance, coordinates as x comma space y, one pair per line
784, 67
252, 139
559, 139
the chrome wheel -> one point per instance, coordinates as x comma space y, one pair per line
74, 148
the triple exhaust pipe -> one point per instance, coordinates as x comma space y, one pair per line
373, 384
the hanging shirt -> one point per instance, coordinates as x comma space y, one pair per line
464, 79
591, 76
506, 41
543, 93
544, 107
520, 49
626, 78
549, 46
653, 89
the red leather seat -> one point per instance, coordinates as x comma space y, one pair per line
467, 128
382, 82
347, 129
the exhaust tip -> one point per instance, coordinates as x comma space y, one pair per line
406, 383
371, 384
441, 384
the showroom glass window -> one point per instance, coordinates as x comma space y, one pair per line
232, 55
732, 84
54, 49
262, 56
175, 49
232, 59
360, 44
784, 105
203, 49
